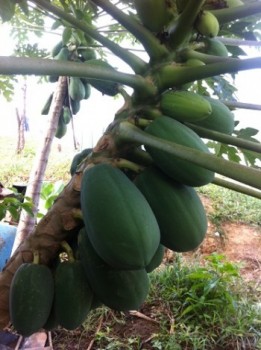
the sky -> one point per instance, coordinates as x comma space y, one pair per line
98, 111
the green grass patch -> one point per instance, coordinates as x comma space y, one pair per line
229, 205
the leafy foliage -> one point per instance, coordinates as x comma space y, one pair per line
7, 86
13, 206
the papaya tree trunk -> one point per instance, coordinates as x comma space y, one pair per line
27, 222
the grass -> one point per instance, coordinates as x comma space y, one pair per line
15, 168
228, 205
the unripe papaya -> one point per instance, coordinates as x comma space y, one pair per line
78, 158
184, 106
61, 128
67, 115
153, 14
178, 169
47, 105
119, 221
63, 54
57, 48
221, 118
87, 88
75, 105
118, 289
157, 259
214, 47
179, 211
109, 88
87, 54
73, 294
234, 3
207, 24
31, 297
76, 89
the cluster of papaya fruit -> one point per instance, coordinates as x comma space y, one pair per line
78, 88
129, 219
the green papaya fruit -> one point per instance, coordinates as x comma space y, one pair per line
153, 14
72, 294
75, 105
67, 115
120, 223
78, 158
184, 106
76, 89
207, 24
31, 297
179, 211
61, 128
87, 54
178, 169
215, 47
221, 118
47, 105
109, 88
120, 290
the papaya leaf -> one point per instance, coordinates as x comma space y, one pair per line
236, 51
251, 157
7, 9
24, 7
247, 133
56, 24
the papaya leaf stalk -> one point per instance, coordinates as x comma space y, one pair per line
237, 187
135, 62
127, 132
155, 49
38, 66
171, 75
182, 26
231, 14
224, 138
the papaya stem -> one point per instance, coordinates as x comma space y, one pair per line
224, 138
172, 75
36, 257
186, 54
135, 62
243, 105
237, 187
182, 27
127, 164
152, 45
68, 250
38, 66
231, 14
250, 176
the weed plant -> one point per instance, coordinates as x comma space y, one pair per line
209, 304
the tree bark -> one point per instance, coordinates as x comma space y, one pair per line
27, 222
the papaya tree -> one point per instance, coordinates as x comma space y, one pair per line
134, 192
